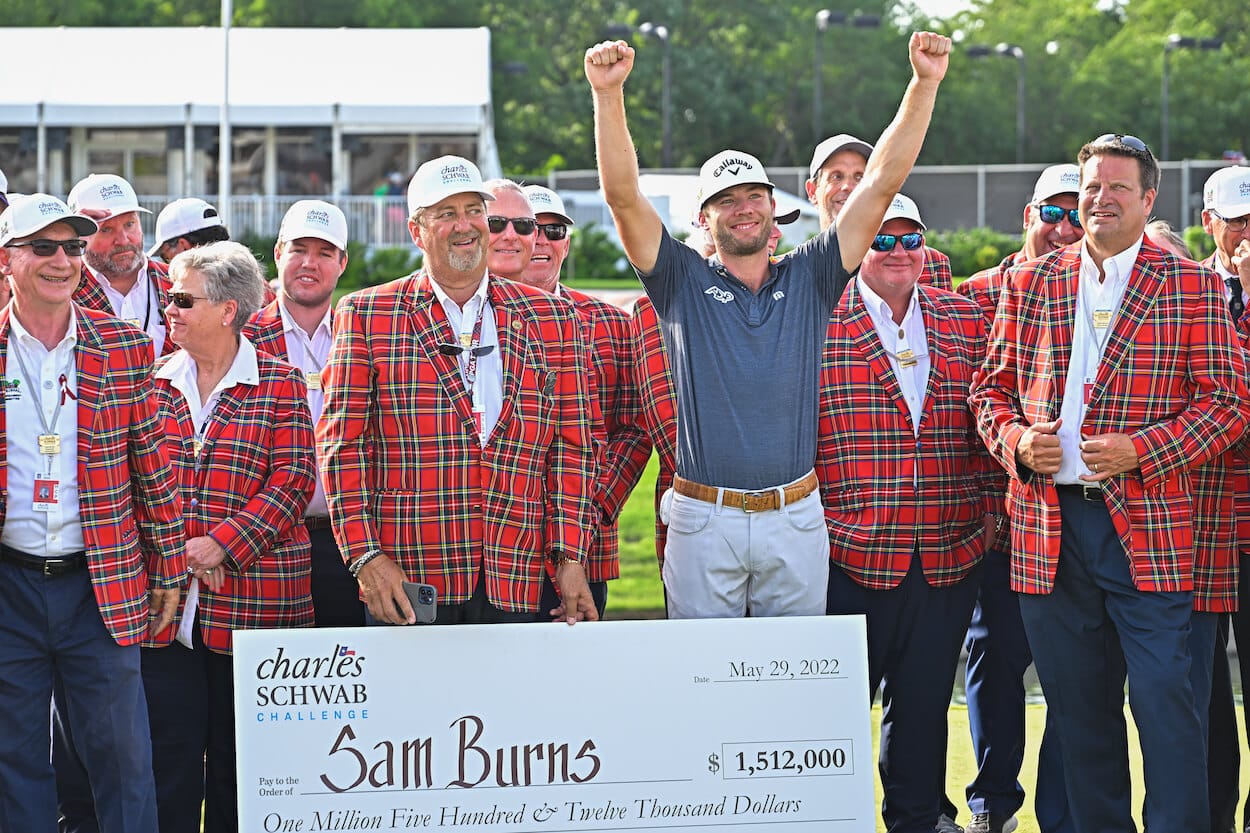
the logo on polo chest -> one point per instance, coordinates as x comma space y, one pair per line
719, 294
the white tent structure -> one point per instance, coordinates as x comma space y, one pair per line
146, 103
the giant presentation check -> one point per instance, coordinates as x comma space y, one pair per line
742, 725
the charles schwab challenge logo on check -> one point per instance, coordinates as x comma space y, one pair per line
453, 174
327, 686
734, 165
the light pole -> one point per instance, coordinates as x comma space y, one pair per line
1010, 50
824, 19
661, 33
1174, 42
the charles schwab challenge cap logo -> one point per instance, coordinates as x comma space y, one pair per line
453, 174
734, 165
318, 217
1070, 178
1243, 189
49, 208
112, 192
898, 205
541, 197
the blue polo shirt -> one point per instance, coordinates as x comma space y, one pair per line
746, 365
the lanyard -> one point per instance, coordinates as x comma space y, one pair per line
305, 342
49, 428
1091, 328
469, 344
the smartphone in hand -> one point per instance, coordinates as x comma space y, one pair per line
424, 601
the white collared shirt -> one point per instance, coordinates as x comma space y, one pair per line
58, 531
1094, 300
488, 392
141, 306
897, 340
180, 370
309, 354
1228, 290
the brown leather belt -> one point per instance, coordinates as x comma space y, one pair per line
761, 500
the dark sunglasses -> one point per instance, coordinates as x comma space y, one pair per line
524, 225
885, 242
1054, 214
553, 231
1131, 142
185, 300
47, 248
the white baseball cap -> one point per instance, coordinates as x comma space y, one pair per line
35, 212
105, 192
727, 169
181, 217
1227, 192
315, 218
1057, 179
831, 146
545, 201
903, 207
4, 183
438, 179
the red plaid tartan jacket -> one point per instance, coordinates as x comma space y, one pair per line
617, 430
91, 295
937, 269
888, 491
985, 286
1172, 378
403, 469
249, 494
265, 331
128, 494
654, 379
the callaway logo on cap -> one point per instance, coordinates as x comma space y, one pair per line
727, 169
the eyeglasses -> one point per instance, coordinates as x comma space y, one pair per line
1236, 225
1054, 214
185, 300
524, 226
552, 231
885, 242
47, 248
1131, 142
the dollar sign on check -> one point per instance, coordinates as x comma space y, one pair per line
713, 763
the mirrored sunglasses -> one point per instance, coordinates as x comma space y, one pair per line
1054, 214
885, 242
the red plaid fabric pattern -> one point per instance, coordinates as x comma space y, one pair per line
985, 286
1172, 378
128, 494
265, 331
937, 269
91, 295
887, 491
249, 494
403, 469
654, 379
618, 429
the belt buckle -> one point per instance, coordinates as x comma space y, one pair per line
753, 494
1091, 493
48, 564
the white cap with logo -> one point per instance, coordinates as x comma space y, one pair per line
832, 145
438, 179
903, 207
105, 192
727, 169
181, 217
1227, 192
315, 218
545, 201
1057, 179
35, 212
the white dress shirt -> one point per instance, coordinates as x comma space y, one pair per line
1228, 290
181, 372
309, 354
1096, 303
488, 390
58, 530
907, 340
141, 306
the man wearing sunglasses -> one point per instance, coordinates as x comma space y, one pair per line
622, 445
836, 170
998, 651
118, 277
910, 494
745, 335
297, 327
512, 230
1112, 371
91, 556
455, 442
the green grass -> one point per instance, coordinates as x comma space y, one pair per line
638, 593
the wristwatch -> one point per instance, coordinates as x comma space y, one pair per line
559, 558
